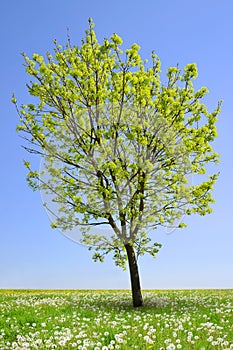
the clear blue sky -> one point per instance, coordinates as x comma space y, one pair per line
32, 255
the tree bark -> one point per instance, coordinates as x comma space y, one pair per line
134, 276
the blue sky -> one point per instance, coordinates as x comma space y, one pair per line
32, 255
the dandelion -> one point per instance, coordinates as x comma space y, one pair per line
77, 328
167, 341
171, 347
214, 343
148, 339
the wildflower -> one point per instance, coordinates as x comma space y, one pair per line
148, 339
167, 341
214, 343
118, 338
171, 347
62, 342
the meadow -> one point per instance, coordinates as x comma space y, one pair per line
102, 320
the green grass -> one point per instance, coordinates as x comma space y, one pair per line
197, 319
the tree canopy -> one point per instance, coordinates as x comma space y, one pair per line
118, 144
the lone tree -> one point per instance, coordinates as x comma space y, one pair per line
118, 145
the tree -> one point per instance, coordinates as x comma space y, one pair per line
118, 145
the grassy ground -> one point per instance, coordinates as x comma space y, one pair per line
104, 320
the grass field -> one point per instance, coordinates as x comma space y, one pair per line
104, 320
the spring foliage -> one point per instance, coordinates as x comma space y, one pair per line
118, 144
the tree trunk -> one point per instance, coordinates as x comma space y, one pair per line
134, 276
